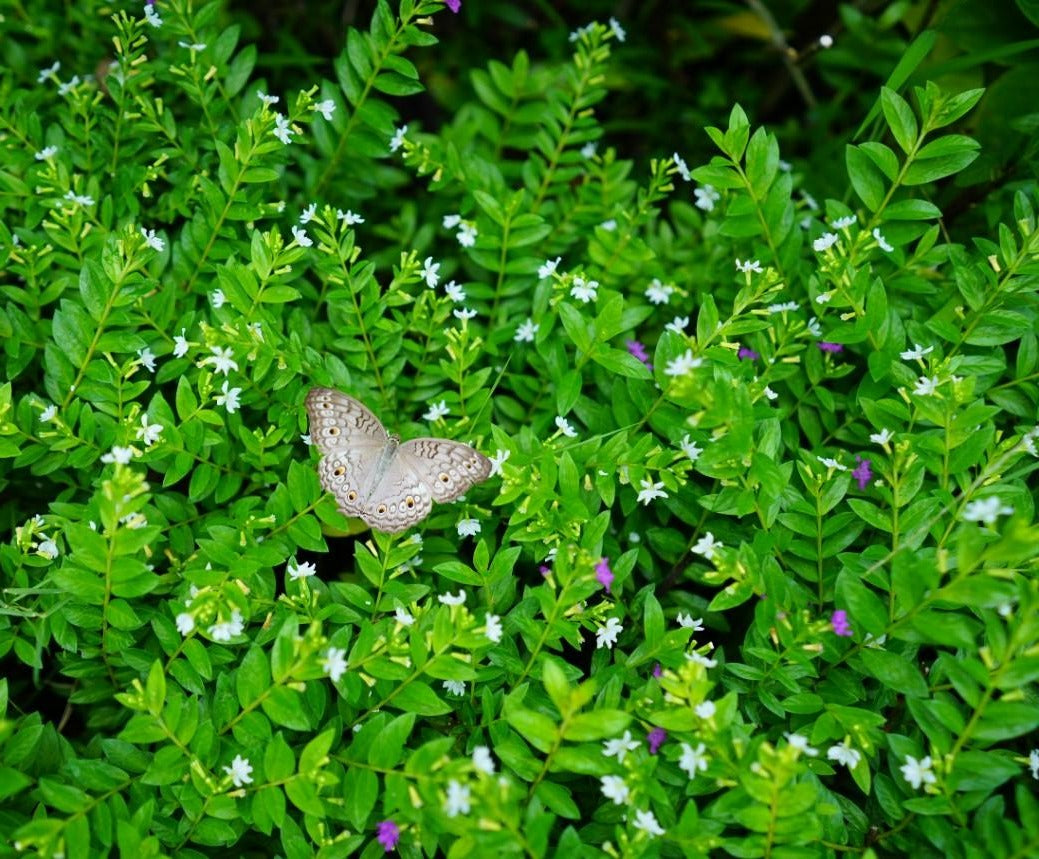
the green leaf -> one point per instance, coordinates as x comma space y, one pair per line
894, 671
285, 707
155, 688
900, 118
360, 790
420, 699
866, 178
585, 727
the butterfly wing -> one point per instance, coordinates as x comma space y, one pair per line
447, 468
399, 499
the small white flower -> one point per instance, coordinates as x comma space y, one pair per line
180, 344
917, 772
613, 787
548, 267
148, 433
222, 360
468, 528
46, 152
926, 386
916, 353
617, 29
47, 549
185, 623
785, 166
706, 546
451, 221
814, 328
693, 759
824, 242
306, 439
659, 293
240, 769
494, 630
690, 449
431, 272
1033, 763
192, 46
845, 755
746, 266
454, 292
846, 221
463, 313
218, 299
620, 747
526, 331
282, 129
647, 822
334, 663
120, 455
588, 150
682, 167
609, 225
152, 240
457, 799
228, 629
634, 537
826, 41
606, 636
349, 218
326, 108
455, 687
650, 491
832, 463
564, 427
987, 510
268, 100
881, 241
448, 599
783, 307
584, 290
466, 235
436, 411
678, 324
307, 215
80, 199
687, 621
705, 710
300, 571
683, 364
706, 197
229, 398
700, 659
68, 86
482, 760
397, 141
498, 460
49, 413
301, 237
403, 617
48, 72
151, 15
801, 744
824, 298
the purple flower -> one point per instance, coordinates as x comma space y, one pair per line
862, 472
388, 834
655, 739
639, 351
832, 348
746, 354
658, 672
545, 571
839, 619
454, 5
603, 574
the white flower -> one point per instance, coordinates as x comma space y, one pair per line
1028, 441
228, 629
617, 29
620, 747
801, 744
282, 129
180, 344
706, 545
700, 659
917, 772
447, 599
148, 433
455, 687
80, 199
687, 621
693, 759
846, 221
397, 141
845, 755
926, 386
185, 623
68, 86
609, 225
431, 272
451, 221
468, 528
229, 398
463, 313
267, 100
564, 427
832, 463
151, 15
192, 46
824, 242
706, 197
682, 167
482, 760
466, 235
783, 307
548, 267
678, 324
457, 799
403, 617
240, 769
47, 549
46, 152
647, 822
916, 353
606, 636
582, 31
881, 241
526, 331
326, 108
121, 455
436, 411
349, 217
49, 413
152, 240
690, 449
588, 150
307, 215
300, 571
705, 710
613, 787
334, 663
217, 297
682, 364
659, 293
650, 491
826, 41
48, 72
986, 510
584, 290
301, 237
494, 630
498, 460
1033, 763
222, 360
814, 328
454, 292
746, 266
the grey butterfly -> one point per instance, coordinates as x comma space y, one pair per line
389, 485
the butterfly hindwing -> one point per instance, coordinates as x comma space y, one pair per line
448, 468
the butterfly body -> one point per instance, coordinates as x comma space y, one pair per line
389, 484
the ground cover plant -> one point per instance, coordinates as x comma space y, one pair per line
755, 570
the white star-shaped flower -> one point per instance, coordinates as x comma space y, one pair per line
458, 801
468, 528
526, 331
493, 628
917, 772
606, 636
498, 460
683, 364
334, 663
619, 747
431, 272
650, 491
614, 787
448, 599
482, 760
300, 571
647, 822
548, 267
986, 510
436, 411
240, 770
706, 546
693, 760
824, 242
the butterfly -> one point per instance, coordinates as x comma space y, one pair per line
374, 476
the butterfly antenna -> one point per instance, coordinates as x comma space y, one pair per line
494, 388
